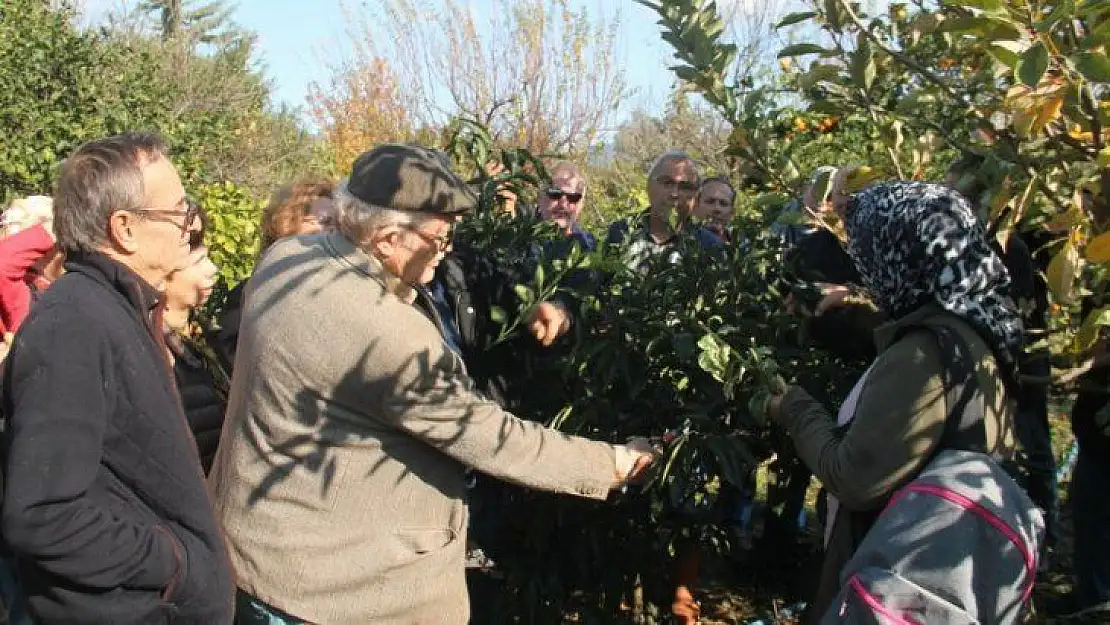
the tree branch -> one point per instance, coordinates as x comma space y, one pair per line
907, 61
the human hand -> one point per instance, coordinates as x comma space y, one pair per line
766, 404
632, 459
549, 321
685, 607
504, 191
832, 296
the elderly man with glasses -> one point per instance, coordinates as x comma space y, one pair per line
105, 508
341, 473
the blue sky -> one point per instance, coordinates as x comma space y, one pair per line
299, 37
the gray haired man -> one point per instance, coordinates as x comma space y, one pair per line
105, 507
340, 476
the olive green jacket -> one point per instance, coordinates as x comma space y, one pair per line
898, 422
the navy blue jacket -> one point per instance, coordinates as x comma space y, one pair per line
105, 506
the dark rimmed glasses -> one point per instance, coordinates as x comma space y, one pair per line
191, 213
442, 242
558, 194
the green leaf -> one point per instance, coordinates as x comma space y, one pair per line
988, 6
497, 315
1007, 51
863, 64
1032, 65
794, 18
1093, 66
524, 293
800, 49
816, 74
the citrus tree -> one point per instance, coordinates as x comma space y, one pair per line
674, 350
1020, 84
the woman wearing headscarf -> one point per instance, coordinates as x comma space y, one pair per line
925, 261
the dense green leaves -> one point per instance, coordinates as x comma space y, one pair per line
1094, 66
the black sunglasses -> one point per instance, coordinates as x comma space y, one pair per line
558, 194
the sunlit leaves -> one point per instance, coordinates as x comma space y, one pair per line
1032, 64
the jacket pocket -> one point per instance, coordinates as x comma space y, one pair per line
423, 541
876, 596
171, 590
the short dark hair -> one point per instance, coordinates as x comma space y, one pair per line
98, 179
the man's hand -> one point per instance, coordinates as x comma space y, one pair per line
549, 321
632, 459
508, 198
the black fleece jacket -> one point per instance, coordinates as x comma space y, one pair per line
105, 507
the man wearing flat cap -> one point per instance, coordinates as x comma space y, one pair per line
341, 470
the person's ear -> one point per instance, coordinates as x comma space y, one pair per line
122, 231
385, 242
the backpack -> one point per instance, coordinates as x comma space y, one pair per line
958, 544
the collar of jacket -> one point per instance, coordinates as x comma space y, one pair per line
345, 249
138, 292
890, 331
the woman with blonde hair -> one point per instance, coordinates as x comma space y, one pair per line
300, 208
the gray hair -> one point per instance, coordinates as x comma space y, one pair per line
359, 220
571, 170
671, 156
98, 179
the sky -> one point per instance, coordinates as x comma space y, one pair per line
298, 38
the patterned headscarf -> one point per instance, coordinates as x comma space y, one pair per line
915, 242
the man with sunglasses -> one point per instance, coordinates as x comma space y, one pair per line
562, 201
105, 508
672, 190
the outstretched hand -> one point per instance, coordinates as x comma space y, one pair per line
549, 321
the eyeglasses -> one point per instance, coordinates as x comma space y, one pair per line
442, 242
191, 212
688, 186
558, 194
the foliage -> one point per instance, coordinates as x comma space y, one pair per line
208, 23
1018, 84
539, 74
233, 233
60, 87
358, 107
53, 96
674, 351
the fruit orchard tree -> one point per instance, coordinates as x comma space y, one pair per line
1020, 84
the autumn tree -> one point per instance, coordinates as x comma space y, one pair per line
540, 74
358, 107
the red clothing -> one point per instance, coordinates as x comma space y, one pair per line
18, 253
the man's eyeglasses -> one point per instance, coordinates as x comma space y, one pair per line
558, 194
442, 242
688, 186
191, 213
